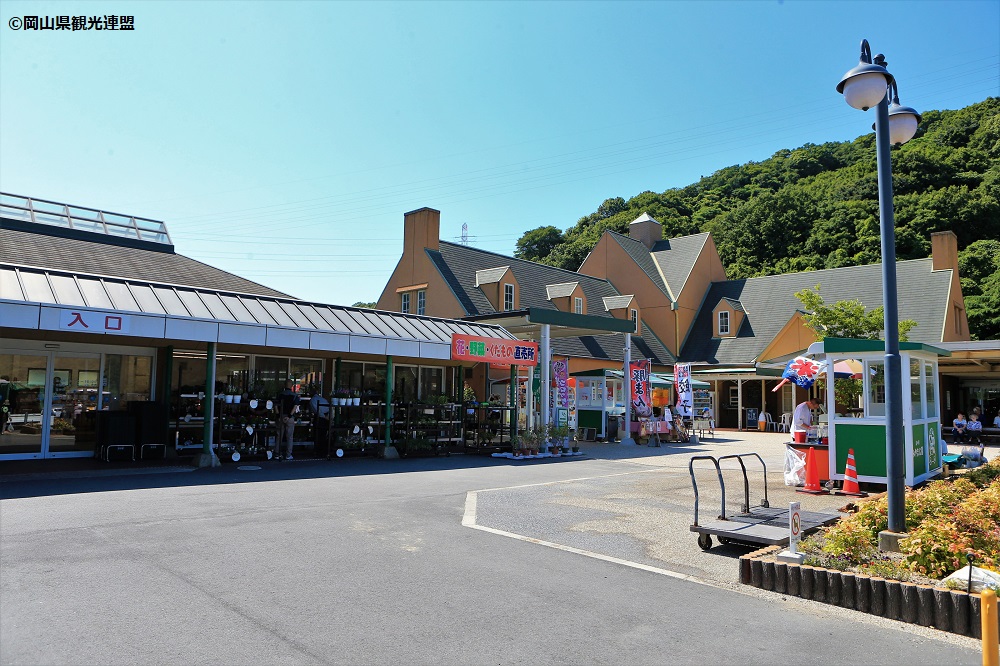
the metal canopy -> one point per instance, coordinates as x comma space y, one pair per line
254, 317
527, 324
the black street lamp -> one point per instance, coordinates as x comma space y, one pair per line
867, 85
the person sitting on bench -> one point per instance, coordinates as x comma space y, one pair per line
975, 431
960, 426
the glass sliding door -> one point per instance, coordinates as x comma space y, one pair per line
76, 398
22, 400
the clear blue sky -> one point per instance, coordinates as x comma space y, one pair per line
284, 141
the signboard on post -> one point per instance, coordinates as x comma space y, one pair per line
638, 387
794, 526
682, 385
497, 351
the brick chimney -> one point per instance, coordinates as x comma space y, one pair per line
646, 230
944, 250
421, 229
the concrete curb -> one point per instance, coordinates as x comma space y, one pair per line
954, 611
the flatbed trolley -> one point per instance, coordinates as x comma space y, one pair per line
761, 524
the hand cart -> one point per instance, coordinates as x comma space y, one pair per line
761, 524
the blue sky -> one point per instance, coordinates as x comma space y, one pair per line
284, 141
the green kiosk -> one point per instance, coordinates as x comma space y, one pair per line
861, 425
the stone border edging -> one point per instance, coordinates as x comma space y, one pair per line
954, 611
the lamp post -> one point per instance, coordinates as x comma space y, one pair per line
870, 85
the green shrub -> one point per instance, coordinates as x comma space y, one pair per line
985, 475
888, 568
940, 545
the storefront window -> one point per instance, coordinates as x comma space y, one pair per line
231, 373
75, 401
916, 380
351, 375
307, 375
21, 403
270, 373
875, 400
431, 382
930, 382
374, 382
126, 379
405, 383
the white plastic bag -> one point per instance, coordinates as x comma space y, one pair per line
795, 467
980, 578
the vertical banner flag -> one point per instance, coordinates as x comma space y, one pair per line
638, 381
682, 386
560, 373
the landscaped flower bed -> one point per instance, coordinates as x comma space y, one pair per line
947, 520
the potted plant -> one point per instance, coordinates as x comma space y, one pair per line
343, 395
557, 437
469, 397
356, 397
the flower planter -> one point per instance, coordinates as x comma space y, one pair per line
237, 398
356, 401
229, 399
953, 611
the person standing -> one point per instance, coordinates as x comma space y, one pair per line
320, 407
996, 420
802, 416
288, 407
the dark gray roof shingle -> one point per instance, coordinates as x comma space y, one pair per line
25, 248
458, 265
769, 303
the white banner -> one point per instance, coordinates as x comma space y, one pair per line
682, 386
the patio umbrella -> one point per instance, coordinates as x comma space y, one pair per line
849, 368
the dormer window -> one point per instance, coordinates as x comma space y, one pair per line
508, 297
723, 322
634, 316
578, 305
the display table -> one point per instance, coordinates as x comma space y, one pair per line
821, 456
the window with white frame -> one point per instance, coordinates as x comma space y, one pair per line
724, 322
578, 305
421, 301
508, 297
634, 316
405, 305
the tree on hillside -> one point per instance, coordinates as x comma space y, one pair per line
363, 304
979, 267
816, 206
536, 244
846, 319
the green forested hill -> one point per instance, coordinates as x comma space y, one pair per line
817, 207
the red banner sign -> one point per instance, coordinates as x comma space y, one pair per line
493, 350
638, 382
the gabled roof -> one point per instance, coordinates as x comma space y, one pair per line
38, 248
617, 302
490, 275
734, 304
561, 290
610, 347
923, 294
458, 265
668, 264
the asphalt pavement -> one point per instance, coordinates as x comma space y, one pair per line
459, 560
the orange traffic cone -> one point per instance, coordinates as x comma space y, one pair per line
851, 478
812, 476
